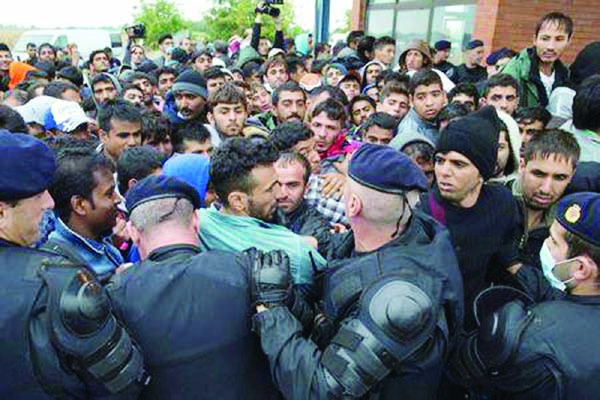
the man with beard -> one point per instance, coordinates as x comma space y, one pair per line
244, 178
187, 99
86, 209
289, 104
546, 169
227, 113
99, 62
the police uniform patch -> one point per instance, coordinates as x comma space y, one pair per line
573, 214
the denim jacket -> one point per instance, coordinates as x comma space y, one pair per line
102, 257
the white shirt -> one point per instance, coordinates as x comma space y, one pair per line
548, 81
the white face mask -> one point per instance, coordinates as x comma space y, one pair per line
556, 273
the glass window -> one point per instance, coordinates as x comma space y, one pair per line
411, 24
454, 23
382, 2
380, 22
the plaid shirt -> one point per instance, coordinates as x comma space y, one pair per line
332, 208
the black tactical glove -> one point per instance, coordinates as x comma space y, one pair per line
269, 277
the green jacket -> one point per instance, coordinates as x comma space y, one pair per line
524, 68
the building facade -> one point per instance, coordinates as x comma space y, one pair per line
499, 23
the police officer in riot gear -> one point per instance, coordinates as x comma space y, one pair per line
188, 310
393, 310
58, 337
547, 350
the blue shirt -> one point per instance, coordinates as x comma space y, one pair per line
102, 257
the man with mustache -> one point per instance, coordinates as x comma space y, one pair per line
547, 167
227, 113
289, 104
86, 209
539, 69
187, 99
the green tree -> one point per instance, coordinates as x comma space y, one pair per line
233, 17
159, 17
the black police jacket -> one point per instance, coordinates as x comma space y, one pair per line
555, 354
190, 313
422, 256
33, 363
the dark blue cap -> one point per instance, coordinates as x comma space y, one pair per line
27, 166
493, 58
160, 187
579, 213
442, 45
473, 44
385, 169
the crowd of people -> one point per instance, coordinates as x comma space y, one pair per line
256, 219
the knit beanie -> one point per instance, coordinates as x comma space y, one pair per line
475, 137
192, 82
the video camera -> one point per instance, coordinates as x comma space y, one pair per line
137, 31
266, 7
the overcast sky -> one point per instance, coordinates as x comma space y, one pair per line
86, 13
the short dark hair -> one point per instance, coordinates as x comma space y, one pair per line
560, 19
291, 157
289, 86
120, 110
393, 87
383, 41
233, 162
365, 45
137, 163
334, 92
333, 109
57, 88
72, 74
294, 64
354, 36
465, 88
586, 104
285, 136
193, 131
250, 68
74, 176
553, 142
103, 77
164, 70
531, 114
138, 75
452, 112
381, 120
164, 37
226, 94
214, 73
46, 45
361, 97
424, 77
387, 75
95, 53
11, 120
156, 126
277, 60
500, 80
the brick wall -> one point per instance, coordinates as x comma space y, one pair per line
515, 22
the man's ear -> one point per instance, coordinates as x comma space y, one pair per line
238, 203
132, 182
482, 102
410, 99
133, 233
355, 205
79, 205
196, 221
211, 118
103, 135
586, 268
